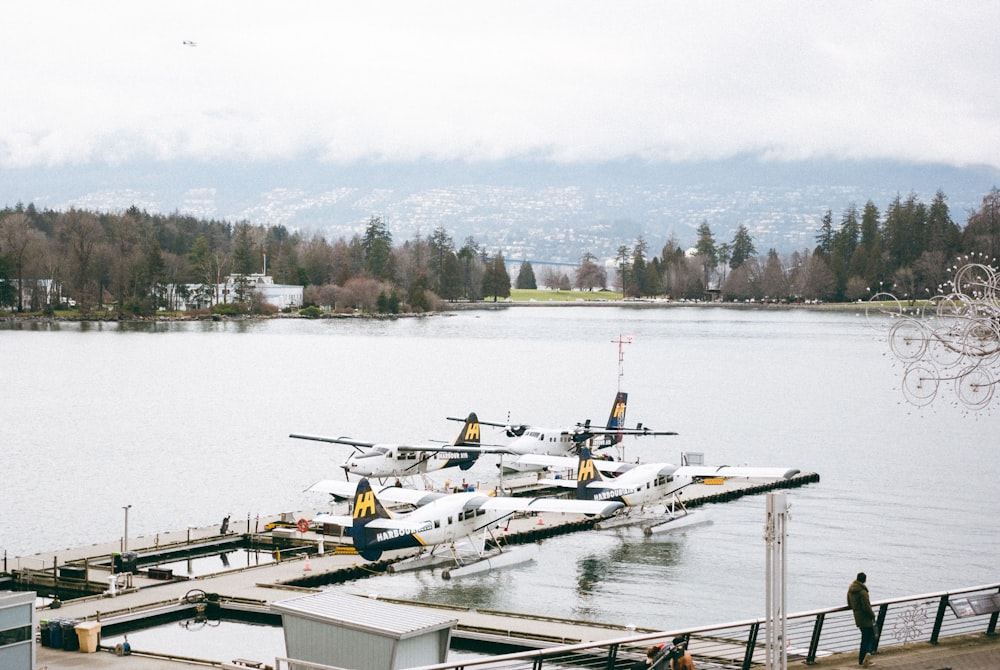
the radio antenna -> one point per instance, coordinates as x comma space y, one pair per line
621, 342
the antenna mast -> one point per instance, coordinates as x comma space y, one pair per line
621, 341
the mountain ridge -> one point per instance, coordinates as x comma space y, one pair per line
528, 209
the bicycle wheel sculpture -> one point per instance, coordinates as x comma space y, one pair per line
957, 341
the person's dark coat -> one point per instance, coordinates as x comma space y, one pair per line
857, 600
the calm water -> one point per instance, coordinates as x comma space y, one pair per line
189, 423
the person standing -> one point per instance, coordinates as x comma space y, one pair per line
864, 618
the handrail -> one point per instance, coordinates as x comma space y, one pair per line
923, 617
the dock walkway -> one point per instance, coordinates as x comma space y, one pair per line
259, 586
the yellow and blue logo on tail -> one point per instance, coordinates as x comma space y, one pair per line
469, 436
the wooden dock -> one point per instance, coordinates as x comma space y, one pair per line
308, 560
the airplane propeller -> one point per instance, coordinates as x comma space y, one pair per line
514, 431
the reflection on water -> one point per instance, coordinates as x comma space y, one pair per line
213, 640
189, 422
220, 641
226, 560
633, 558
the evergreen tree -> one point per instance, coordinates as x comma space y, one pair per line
824, 239
637, 284
942, 233
526, 276
982, 232
440, 245
706, 252
246, 258
621, 258
905, 229
450, 282
867, 258
496, 281
742, 248
472, 269
376, 247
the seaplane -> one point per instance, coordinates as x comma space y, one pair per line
448, 528
386, 461
565, 441
650, 491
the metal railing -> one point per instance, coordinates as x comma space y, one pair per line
809, 636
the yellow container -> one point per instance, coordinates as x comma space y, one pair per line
714, 480
89, 633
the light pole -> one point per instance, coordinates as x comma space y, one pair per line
125, 538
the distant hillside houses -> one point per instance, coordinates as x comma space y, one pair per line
236, 288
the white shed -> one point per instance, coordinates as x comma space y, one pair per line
363, 633
17, 630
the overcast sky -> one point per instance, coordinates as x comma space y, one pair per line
566, 81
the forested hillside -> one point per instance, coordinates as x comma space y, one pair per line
133, 261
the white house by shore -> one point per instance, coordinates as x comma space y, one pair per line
199, 296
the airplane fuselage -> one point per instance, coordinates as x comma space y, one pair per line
385, 461
547, 441
448, 519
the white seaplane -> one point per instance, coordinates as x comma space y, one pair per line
457, 524
383, 461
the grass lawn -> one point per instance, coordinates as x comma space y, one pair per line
545, 295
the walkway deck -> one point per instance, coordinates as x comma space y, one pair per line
259, 586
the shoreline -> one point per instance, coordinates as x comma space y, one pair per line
456, 307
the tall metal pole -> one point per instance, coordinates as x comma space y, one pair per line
622, 340
775, 533
125, 538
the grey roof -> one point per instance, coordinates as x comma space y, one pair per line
365, 613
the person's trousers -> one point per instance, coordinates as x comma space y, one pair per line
867, 643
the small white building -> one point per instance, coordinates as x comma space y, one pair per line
280, 295
17, 630
201, 296
363, 633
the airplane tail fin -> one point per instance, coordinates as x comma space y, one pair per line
616, 421
366, 508
469, 436
586, 472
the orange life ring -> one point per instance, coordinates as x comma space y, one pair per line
303, 525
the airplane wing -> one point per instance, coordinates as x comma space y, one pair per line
459, 450
558, 483
736, 471
344, 520
513, 429
338, 440
571, 462
564, 505
585, 432
481, 422
389, 493
334, 487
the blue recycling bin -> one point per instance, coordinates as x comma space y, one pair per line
43, 628
55, 633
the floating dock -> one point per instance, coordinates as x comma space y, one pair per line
127, 591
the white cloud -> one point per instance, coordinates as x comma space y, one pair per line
571, 81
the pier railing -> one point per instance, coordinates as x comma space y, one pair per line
810, 636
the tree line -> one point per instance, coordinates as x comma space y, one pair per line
135, 262
906, 250
138, 262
